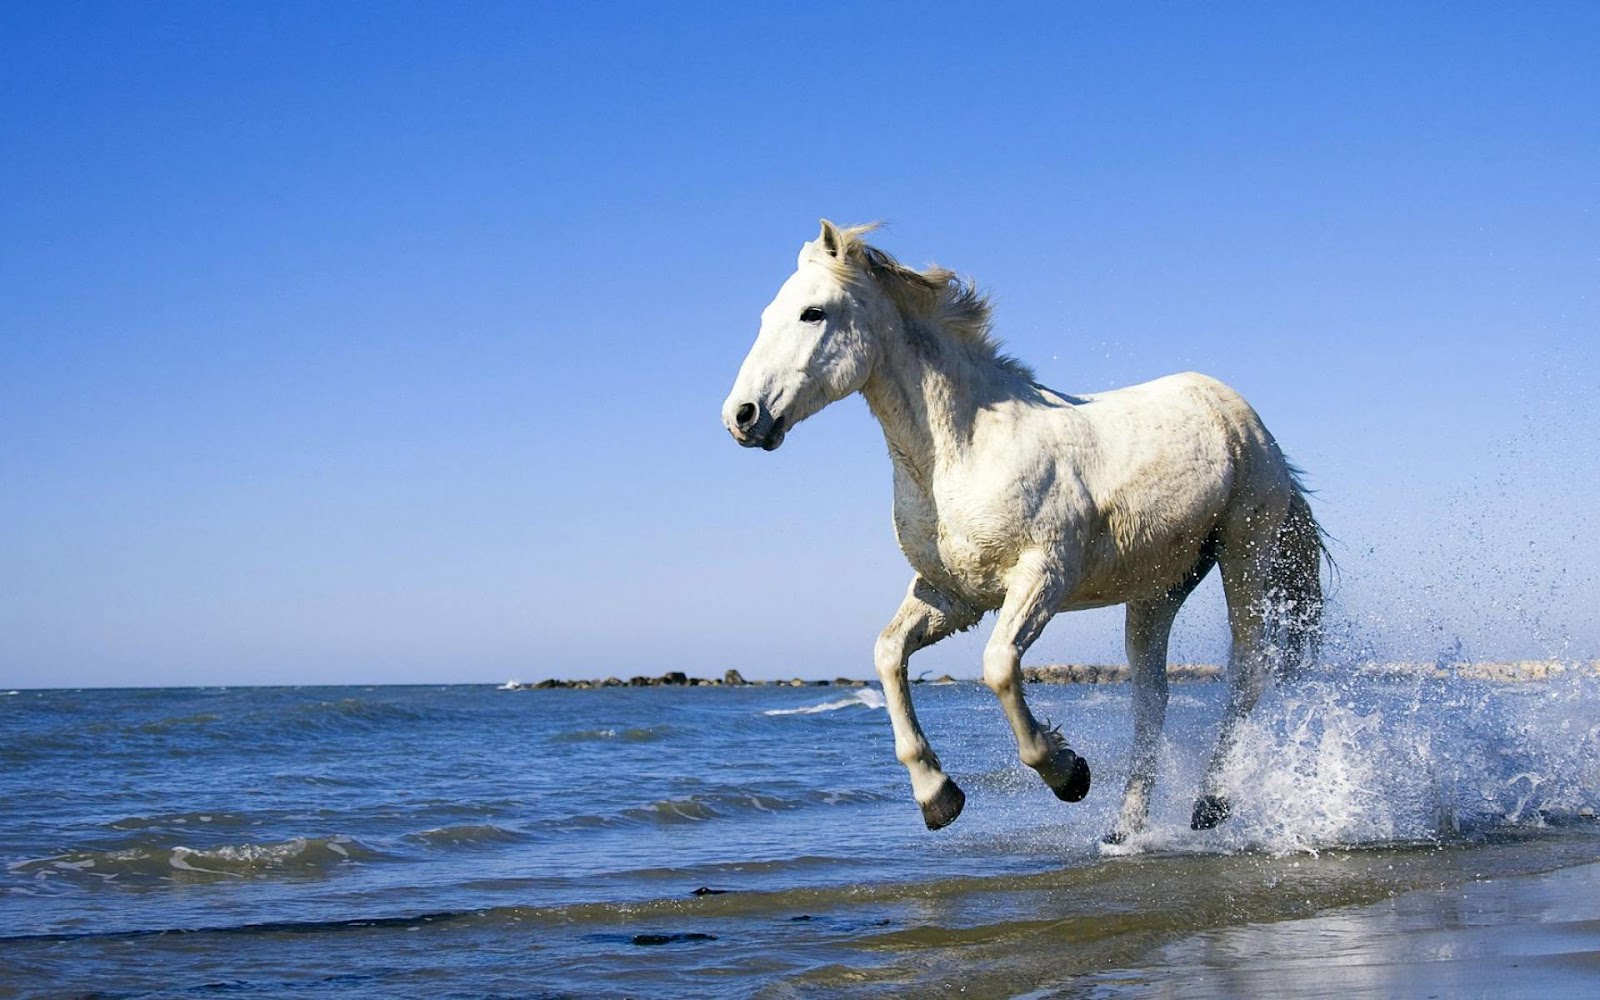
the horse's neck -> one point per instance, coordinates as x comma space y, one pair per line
926, 392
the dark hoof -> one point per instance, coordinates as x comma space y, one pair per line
1114, 838
944, 807
1209, 810
1077, 784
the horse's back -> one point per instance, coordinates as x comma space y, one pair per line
1187, 428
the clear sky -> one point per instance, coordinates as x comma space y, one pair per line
386, 342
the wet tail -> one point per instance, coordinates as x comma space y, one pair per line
1294, 586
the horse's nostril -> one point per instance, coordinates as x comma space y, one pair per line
746, 417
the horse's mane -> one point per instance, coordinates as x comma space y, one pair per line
936, 298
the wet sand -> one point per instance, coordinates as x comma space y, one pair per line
1530, 936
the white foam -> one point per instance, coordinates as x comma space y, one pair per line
180, 862
867, 697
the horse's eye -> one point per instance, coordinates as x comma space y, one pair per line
811, 315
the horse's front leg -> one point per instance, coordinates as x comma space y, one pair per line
925, 617
1034, 593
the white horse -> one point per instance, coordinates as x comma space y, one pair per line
1012, 497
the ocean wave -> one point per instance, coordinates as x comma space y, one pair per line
628, 734
210, 820
862, 698
674, 811
730, 804
160, 863
467, 835
345, 713
182, 731
160, 726
96, 733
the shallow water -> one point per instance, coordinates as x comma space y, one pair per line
466, 841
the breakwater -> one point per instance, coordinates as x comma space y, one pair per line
1502, 672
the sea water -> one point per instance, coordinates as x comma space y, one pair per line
727, 842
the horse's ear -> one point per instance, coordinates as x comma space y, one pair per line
829, 239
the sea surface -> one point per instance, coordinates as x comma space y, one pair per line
464, 841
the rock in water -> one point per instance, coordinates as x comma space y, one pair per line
658, 939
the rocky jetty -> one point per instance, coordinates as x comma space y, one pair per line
1506, 672
675, 678
1510, 672
1114, 673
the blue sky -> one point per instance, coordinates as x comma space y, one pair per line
385, 342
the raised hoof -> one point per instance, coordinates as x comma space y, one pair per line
944, 807
1077, 784
1209, 810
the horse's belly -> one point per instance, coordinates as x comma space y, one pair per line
1114, 574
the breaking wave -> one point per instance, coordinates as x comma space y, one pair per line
732, 803
152, 863
467, 835
864, 697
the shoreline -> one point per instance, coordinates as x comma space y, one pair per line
1533, 935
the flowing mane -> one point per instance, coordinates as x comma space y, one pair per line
936, 299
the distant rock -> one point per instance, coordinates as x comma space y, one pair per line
658, 939
1113, 673
1511, 672
733, 678
675, 678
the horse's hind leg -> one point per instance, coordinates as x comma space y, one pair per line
925, 617
1149, 626
1244, 581
1031, 600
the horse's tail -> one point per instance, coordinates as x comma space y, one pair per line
1294, 584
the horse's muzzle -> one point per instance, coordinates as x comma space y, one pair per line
754, 427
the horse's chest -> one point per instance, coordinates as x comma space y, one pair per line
965, 549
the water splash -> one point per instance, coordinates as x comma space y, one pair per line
1359, 762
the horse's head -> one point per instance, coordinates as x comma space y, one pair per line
816, 343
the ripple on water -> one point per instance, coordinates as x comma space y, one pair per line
625, 734
467, 835
148, 864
